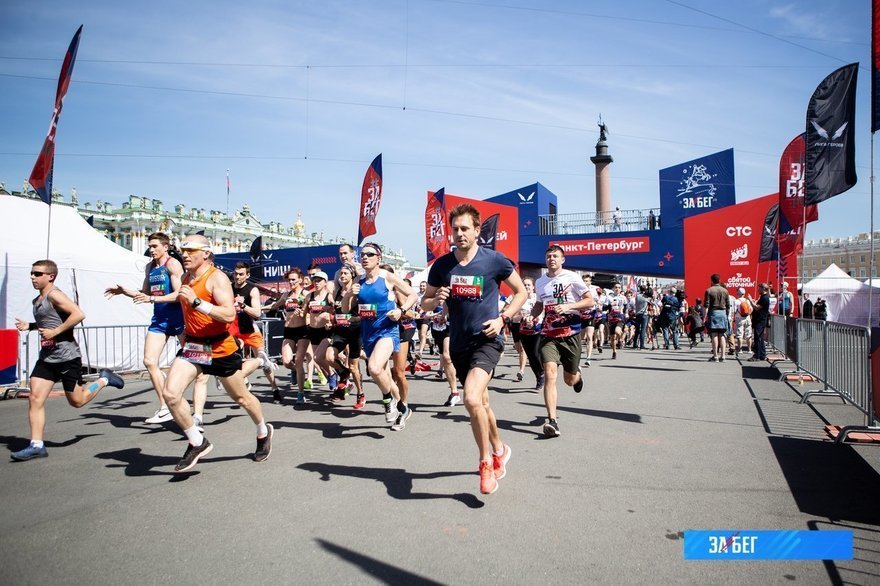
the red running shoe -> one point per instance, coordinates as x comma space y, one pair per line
488, 483
499, 463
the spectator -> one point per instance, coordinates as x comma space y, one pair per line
807, 307
652, 220
820, 309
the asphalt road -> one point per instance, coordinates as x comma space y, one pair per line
658, 443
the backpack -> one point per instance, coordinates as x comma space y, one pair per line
745, 307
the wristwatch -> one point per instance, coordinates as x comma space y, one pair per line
196, 302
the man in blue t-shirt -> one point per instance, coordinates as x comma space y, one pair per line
467, 281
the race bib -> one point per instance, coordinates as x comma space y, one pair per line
342, 320
367, 310
157, 289
467, 286
316, 307
291, 304
408, 325
197, 353
47, 344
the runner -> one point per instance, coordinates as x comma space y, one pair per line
295, 343
588, 319
402, 357
616, 307
247, 308
347, 337
55, 316
467, 280
562, 296
161, 283
424, 324
208, 309
318, 326
380, 334
440, 334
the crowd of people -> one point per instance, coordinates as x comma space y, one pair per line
367, 312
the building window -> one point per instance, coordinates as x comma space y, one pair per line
862, 259
863, 274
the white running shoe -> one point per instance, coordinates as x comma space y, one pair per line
218, 383
391, 411
161, 415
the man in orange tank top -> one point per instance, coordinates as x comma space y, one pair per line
208, 308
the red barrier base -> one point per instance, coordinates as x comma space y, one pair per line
807, 378
856, 436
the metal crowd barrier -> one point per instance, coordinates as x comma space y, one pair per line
837, 355
119, 348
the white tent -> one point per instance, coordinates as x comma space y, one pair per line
847, 298
88, 263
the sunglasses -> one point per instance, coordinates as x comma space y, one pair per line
37, 273
369, 254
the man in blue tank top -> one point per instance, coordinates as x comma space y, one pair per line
60, 360
467, 281
161, 283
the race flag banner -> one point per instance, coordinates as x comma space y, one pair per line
256, 254
769, 249
875, 65
436, 235
489, 232
793, 217
786, 544
830, 157
371, 197
41, 175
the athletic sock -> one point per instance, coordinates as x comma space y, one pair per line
262, 430
194, 436
37, 444
386, 398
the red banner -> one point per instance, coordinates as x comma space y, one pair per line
605, 245
436, 232
371, 197
728, 242
793, 216
41, 175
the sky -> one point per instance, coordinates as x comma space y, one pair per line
295, 98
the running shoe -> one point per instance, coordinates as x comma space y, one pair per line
519, 377
488, 482
439, 374
217, 383
333, 381
587, 363
247, 384
453, 400
361, 401
113, 379
276, 396
551, 428
390, 411
300, 398
307, 385
322, 379
499, 462
264, 445
599, 348
412, 367
400, 424
614, 355
539, 384
162, 414
29, 453
579, 385
338, 395
192, 455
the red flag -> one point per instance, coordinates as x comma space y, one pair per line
875, 65
436, 234
792, 219
371, 197
41, 175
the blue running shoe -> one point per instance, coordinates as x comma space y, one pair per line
300, 398
113, 379
333, 381
29, 453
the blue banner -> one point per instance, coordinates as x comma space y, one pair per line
695, 187
768, 545
274, 263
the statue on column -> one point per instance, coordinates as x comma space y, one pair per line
603, 130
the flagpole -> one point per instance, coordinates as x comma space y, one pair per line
871, 265
49, 230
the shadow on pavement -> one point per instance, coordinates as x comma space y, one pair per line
398, 482
618, 415
136, 463
335, 430
380, 571
651, 368
760, 372
13, 444
829, 480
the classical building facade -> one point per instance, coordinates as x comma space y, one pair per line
852, 255
129, 225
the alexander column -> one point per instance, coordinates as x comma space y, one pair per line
602, 160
